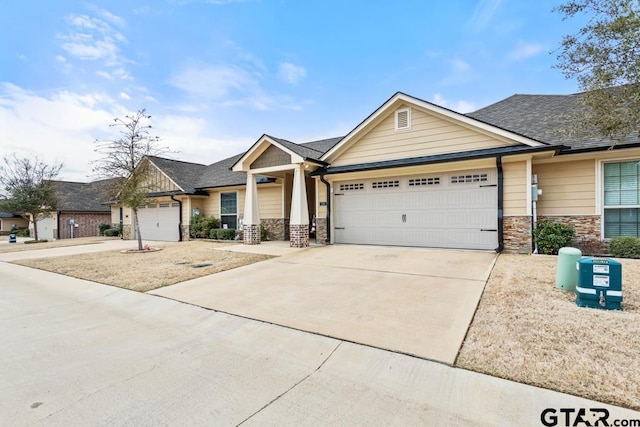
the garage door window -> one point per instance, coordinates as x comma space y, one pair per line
229, 210
621, 199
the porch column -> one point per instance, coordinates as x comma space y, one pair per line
299, 219
251, 218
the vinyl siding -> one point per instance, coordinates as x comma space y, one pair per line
270, 201
429, 135
158, 182
568, 188
515, 188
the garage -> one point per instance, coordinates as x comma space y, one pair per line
160, 222
444, 210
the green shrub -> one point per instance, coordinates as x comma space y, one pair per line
103, 227
551, 236
226, 233
111, 232
201, 226
625, 247
264, 233
22, 232
213, 233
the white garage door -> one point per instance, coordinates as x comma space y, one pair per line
448, 210
160, 222
45, 228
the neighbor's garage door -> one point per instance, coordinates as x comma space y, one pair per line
449, 210
160, 222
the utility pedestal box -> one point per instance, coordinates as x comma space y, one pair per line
599, 283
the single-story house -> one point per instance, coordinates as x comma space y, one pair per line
82, 207
9, 221
413, 173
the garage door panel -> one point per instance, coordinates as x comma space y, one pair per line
160, 223
454, 211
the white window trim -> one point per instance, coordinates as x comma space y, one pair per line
398, 111
600, 187
237, 206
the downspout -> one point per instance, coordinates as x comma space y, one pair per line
58, 229
500, 205
179, 218
328, 239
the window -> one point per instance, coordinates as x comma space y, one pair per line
416, 182
621, 199
385, 184
403, 119
349, 187
229, 210
478, 177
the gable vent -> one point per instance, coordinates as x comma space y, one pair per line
403, 119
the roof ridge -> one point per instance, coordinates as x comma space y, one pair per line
174, 160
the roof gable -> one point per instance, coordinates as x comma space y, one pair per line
384, 116
183, 175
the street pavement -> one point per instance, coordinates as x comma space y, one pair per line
74, 352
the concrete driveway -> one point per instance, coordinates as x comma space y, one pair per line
409, 300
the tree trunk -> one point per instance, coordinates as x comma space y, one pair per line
35, 228
137, 227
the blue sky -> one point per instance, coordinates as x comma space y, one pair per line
217, 74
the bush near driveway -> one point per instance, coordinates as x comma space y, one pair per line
527, 330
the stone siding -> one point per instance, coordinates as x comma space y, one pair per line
587, 226
184, 233
517, 234
127, 232
277, 228
321, 231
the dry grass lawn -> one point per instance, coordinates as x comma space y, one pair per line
527, 330
21, 246
146, 271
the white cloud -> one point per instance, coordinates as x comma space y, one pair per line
525, 50
93, 38
460, 106
60, 126
125, 96
291, 73
228, 85
483, 14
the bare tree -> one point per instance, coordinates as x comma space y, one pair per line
28, 188
121, 158
604, 57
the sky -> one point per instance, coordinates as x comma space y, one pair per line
215, 75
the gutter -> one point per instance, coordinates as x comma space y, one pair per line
180, 218
328, 239
500, 205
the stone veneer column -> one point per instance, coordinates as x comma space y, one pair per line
299, 220
517, 234
251, 218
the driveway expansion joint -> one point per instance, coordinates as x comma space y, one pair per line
292, 387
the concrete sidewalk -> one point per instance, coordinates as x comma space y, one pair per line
410, 300
80, 353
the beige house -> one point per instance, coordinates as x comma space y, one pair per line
412, 174
10, 221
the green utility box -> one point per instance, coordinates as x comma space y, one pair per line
567, 273
600, 283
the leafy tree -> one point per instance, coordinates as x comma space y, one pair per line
28, 187
122, 157
604, 57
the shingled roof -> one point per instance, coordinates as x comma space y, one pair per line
85, 196
185, 174
220, 175
545, 118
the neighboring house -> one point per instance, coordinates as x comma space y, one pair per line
9, 221
415, 174
82, 208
